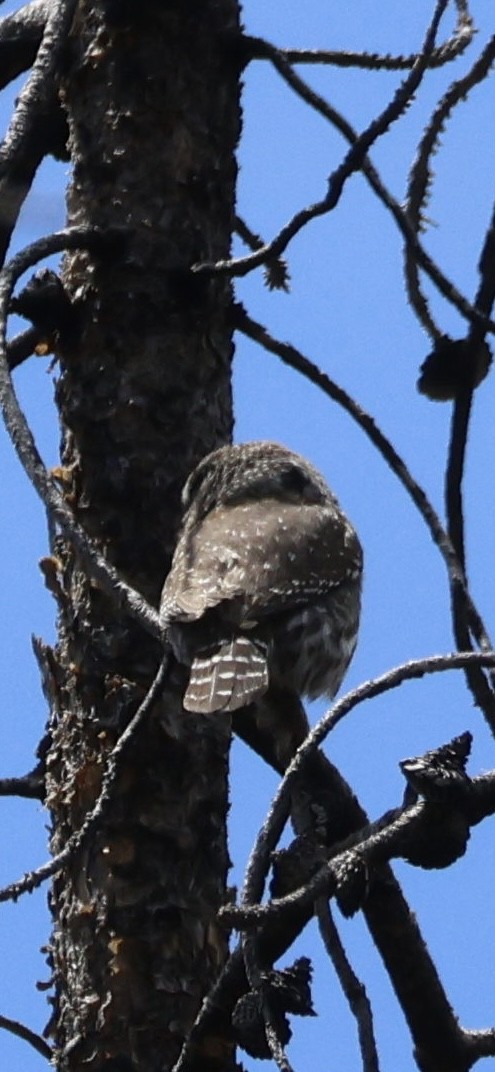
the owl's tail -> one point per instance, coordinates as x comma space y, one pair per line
227, 677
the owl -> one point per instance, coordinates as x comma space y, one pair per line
265, 582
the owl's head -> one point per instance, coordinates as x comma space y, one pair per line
252, 471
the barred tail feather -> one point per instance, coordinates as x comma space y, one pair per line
228, 678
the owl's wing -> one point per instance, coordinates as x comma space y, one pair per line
261, 558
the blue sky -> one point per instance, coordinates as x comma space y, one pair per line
347, 310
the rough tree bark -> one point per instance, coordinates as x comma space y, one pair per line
152, 98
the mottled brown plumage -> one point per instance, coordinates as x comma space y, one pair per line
265, 581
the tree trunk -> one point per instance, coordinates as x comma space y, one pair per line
152, 97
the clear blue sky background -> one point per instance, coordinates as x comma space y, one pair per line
347, 310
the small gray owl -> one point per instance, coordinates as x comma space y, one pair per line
265, 581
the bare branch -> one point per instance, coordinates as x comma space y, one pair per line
278, 814
420, 180
31, 786
260, 987
276, 271
386, 838
480, 1044
353, 161
483, 693
20, 37
455, 519
25, 1033
22, 346
243, 265
373, 61
485, 296
353, 989
23, 147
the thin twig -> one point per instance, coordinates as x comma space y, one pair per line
455, 472
260, 987
485, 296
420, 175
209, 1005
32, 879
352, 987
25, 1033
276, 270
249, 237
483, 692
477, 682
454, 47
420, 179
